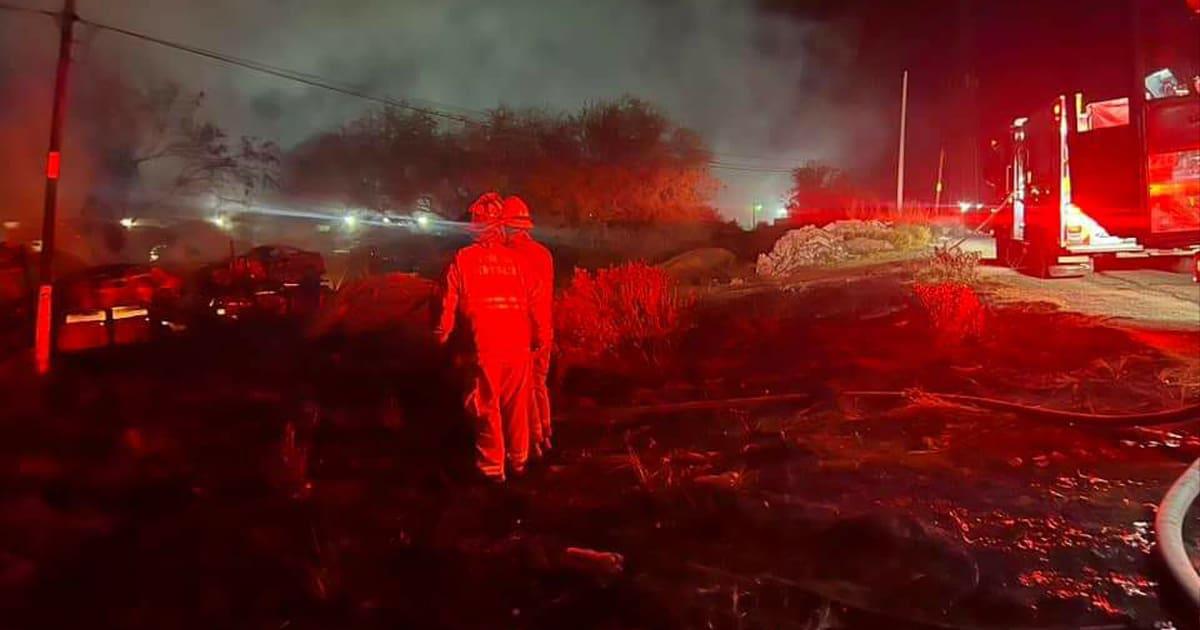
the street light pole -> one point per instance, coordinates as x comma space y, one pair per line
903, 130
42, 329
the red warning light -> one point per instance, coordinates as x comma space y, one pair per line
53, 162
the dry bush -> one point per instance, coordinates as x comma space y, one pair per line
951, 265
887, 213
911, 236
954, 309
627, 311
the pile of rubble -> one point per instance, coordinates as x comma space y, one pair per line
836, 242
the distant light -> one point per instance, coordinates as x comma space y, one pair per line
423, 221
387, 219
220, 311
350, 221
781, 213
222, 222
128, 223
154, 254
979, 206
964, 206
12, 225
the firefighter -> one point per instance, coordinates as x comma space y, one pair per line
485, 292
539, 273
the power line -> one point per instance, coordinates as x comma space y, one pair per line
308, 79
16, 9
318, 81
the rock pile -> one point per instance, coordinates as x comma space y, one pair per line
804, 247
862, 246
836, 242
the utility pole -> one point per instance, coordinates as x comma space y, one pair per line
42, 327
937, 188
903, 129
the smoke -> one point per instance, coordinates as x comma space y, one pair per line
755, 84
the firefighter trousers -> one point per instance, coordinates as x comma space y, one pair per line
539, 412
499, 401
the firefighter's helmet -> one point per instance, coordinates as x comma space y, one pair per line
516, 214
489, 208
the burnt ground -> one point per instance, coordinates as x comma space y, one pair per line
251, 478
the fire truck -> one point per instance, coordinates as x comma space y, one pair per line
1104, 179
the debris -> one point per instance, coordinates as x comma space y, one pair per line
836, 242
804, 247
729, 479
592, 561
862, 246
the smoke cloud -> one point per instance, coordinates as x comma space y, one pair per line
755, 84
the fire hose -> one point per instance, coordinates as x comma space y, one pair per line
607, 415
1168, 530
1182, 415
1185, 414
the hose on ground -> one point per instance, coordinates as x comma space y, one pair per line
1168, 531
1188, 413
1181, 415
610, 413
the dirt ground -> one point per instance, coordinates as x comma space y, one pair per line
1136, 296
253, 478
1130, 291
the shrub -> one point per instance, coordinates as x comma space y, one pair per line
627, 311
911, 236
952, 265
954, 309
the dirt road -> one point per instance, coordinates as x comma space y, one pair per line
1140, 296
1143, 296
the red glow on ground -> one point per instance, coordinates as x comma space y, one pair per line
954, 308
